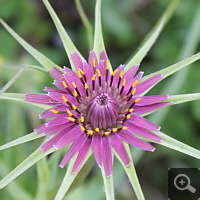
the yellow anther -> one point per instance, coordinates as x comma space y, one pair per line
131, 110
121, 74
82, 128
93, 62
73, 106
114, 129
71, 119
99, 73
75, 93
69, 112
107, 133
133, 92
82, 119
54, 111
137, 100
79, 74
81, 71
94, 76
133, 85
97, 130
124, 82
128, 116
86, 86
115, 72
74, 84
107, 64
64, 98
64, 84
124, 127
90, 132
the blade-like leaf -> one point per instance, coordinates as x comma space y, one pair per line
70, 176
152, 36
131, 173
20, 97
23, 166
108, 185
68, 44
43, 60
21, 140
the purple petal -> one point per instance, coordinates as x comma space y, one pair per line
106, 155
76, 146
118, 145
96, 146
131, 72
40, 98
142, 131
71, 135
41, 128
131, 139
90, 59
49, 89
145, 85
116, 77
82, 153
57, 121
56, 73
103, 56
77, 61
142, 122
144, 109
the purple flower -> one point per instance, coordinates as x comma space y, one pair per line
99, 109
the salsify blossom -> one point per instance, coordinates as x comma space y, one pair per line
99, 108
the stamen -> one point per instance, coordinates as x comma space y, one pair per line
82, 119
133, 92
94, 64
99, 75
54, 111
114, 129
64, 98
93, 81
123, 85
90, 132
86, 89
97, 130
79, 75
112, 76
107, 69
134, 102
69, 112
120, 78
131, 110
71, 119
82, 128
128, 116
107, 133
75, 108
83, 74
124, 127
66, 87
132, 86
75, 87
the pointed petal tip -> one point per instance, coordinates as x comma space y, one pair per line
61, 166
128, 164
153, 149
35, 130
108, 176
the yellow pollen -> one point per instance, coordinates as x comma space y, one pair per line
124, 82
71, 119
107, 64
79, 74
131, 110
54, 111
74, 84
82, 128
94, 76
64, 98
64, 84
99, 73
97, 130
73, 106
124, 127
82, 119
81, 71
90, 132
93, 62
86, 86
75, 93
137, 100
128, 116
114, 72
69, 112
134, 91
121, 74
107, 133
133, 85
114, 129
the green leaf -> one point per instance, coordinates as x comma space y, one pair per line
152, 36
43, 60
20, 98
108, 184
171, 69
23, 166
131, 173
70, 176
21, 140
68, 44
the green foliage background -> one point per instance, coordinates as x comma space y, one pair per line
125, 24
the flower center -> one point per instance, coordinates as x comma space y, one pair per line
102, 111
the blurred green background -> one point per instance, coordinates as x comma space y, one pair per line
125, 24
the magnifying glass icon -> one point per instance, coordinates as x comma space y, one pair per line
185, 185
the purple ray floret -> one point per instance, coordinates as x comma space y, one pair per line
98, 109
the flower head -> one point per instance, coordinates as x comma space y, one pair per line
99, 108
